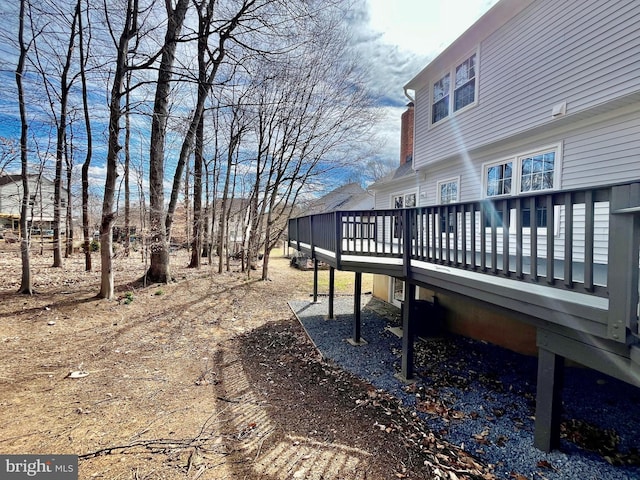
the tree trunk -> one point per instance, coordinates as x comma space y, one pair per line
196, 245
65, 87
25, 283
127, 162
108, 203
159, 268
68, 212
87, 160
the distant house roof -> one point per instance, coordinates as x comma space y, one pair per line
8, 179
403, 171
347, 197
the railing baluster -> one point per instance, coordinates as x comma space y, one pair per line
568, 240
533, 222
434, 232
550, 240
463, 231
505, 237
494, 239
483, 237
519, 238
472, 224
589, 221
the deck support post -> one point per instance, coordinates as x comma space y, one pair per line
355, 337
332, 278
548, 400
315, 280
408, 331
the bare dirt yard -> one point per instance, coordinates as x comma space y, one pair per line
209, 377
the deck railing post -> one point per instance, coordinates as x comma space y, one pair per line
311, 239
406, 242
408, 331
622, 277
337, 220
298, 234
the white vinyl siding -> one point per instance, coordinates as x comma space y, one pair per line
544, 56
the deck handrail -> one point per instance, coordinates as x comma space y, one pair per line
581, 240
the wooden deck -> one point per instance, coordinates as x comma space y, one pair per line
571, 270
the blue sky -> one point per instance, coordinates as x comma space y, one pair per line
395, 40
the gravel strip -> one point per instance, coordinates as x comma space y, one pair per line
482, 397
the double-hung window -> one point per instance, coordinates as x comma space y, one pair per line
526, 173
448, 193
450, 96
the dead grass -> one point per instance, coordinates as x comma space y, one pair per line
169, 392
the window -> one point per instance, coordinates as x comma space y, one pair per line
498, 179
448, 191
401, 201
529, 172
441, 99
465, 87
541, 217
451, 96
404, 201
537, 172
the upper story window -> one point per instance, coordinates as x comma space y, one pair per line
441, 90
451, 96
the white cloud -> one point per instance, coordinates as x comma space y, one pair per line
424, 27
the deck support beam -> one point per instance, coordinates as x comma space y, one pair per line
548, 400
315, 280
355, 336
332, 279
408, 331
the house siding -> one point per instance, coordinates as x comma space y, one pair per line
524, 72
595, 152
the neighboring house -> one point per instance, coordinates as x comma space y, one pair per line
525, 173
347, 197
41, 201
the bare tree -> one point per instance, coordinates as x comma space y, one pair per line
129, 31
159, 267
314, 111
46, 53
26, 285
89, 146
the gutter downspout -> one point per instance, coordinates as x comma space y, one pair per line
406, 94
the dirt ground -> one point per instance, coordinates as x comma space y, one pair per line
209, 377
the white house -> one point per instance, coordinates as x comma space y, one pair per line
531, 98
41, 201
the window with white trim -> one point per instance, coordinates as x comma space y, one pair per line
528, 172
525, 173
448, 96
407, 200
448, 191
404, 201
498, 178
